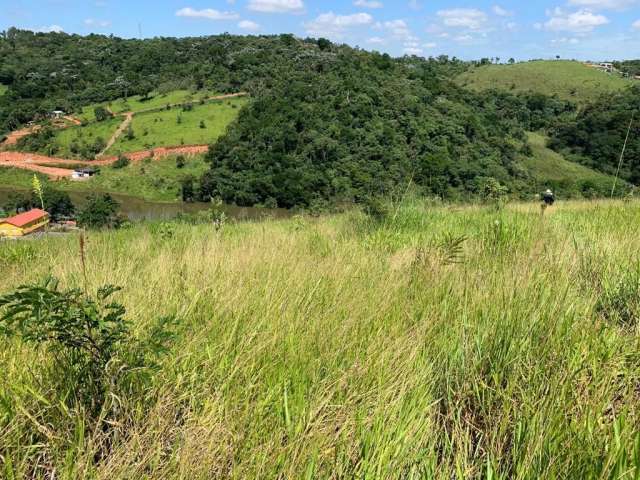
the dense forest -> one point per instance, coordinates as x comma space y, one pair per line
327, 123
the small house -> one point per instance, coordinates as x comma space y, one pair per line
83, 173
25, 223
57, 114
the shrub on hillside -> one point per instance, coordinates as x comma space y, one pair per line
102, 114
121, 162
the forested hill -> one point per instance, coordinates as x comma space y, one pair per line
326, 124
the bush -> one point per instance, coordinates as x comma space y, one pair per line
180, 161
101, 211
202, 124
102, 114
121, 162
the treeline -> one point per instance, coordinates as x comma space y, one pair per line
596, 136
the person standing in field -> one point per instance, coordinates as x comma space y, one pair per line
548, 198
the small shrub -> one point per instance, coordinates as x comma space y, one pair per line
202, 124
101, 211
130, 134
121, 162
180, 161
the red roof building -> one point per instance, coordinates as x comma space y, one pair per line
24, 223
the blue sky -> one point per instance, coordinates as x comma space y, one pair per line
469, 29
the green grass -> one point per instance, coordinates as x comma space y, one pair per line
339, 348
567, 79
153, 180
136, 104
83, 134
3, 89
549, 168
159, 129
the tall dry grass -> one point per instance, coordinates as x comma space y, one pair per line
442, 343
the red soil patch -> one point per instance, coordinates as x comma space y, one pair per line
39, 163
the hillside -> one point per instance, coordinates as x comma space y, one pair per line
568, 80
548, 169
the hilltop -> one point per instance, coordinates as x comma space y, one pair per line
568, 80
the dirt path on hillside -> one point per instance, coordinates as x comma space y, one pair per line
116, 135
53, 167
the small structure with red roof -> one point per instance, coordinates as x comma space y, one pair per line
25, 223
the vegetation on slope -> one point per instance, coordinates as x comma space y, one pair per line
550, 170
155, 180
140, 103
596, 136
444, 343
194, 125
569, 80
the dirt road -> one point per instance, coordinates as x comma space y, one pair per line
53, 167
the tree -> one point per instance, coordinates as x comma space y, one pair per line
180, 161
512, 61
101, 211
130, 134
202, 124
188, 189
102, 114
121, 162
324, 44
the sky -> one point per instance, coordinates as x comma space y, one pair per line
467, 29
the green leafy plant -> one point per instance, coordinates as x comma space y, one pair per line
81, 333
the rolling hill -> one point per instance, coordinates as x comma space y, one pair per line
569, 80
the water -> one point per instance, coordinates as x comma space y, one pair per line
137, 209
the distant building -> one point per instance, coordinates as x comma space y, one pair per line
83, 173
25, 223
57, 114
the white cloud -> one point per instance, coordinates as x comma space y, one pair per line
368, 3
501, 12
396, 28
91, 22
565, 40
603, 4
376, 41
636, 24
48, 29
413, 51
582, 21
276, 6
208, 13
332, 25
430, 45
249, 25
470, 18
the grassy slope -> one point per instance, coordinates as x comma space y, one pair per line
548, 167
569, 80
163, 129
84, 133
157, 180
329, 348
136, 104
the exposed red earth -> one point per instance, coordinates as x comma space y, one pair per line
51, 166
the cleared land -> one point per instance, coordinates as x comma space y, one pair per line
568, 80
337, 347
550, 169
137, 103
179, 127
157, 180
69, 140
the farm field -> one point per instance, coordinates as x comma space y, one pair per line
177, 127
568, 80
440, 342
154, 180
136, 103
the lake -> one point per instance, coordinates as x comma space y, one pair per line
137, 209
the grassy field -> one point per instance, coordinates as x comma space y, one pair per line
137, 104
444, 343
164, 129
157, 180
84, 134
549, 169
567, 79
